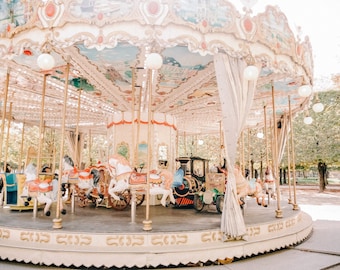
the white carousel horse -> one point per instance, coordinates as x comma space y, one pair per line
85, 182
42, 189
269, 183
121, 173
250, 188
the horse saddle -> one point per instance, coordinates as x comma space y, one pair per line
137, 178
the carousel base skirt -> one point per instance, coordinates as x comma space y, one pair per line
103, 237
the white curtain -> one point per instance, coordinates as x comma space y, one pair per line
282, 137
71, 142
236, 96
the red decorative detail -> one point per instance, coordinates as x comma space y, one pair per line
100, 39
248, 25
153, 122
153, 8
204, 45
100, 16
204, 23
28, 52
9, 28
299, 50
50, 10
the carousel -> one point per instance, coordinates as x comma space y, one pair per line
144, 74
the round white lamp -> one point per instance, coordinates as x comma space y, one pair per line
308, 120
305, 90
154, 61
251, 73
318, 107
45, 61
260, 135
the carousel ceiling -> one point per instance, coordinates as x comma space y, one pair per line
106, 44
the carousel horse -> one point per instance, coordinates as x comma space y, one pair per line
122, 174
269, 183
84, 182
250, 188
42, 189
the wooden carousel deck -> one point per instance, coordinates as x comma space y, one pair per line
106, 237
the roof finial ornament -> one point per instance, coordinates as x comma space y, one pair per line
248, 4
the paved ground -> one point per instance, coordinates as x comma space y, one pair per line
320, 251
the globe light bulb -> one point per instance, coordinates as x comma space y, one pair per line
260, 135
251, 73
308, 120
45, 61
318, 107
154, 61
305, 90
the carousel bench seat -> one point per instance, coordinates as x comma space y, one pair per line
11, 188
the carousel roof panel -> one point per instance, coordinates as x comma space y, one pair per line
107, 43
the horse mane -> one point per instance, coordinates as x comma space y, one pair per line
30, 172
1, 184
96, 176
69, 160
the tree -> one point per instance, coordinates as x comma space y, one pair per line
318, 144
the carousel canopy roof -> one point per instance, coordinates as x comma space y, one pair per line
107, 43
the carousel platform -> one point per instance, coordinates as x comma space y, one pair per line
103, 237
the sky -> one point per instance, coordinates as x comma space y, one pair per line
319, 20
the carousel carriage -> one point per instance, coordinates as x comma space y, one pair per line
196, 186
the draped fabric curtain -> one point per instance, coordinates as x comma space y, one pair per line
236, 96
71, 142
282, 137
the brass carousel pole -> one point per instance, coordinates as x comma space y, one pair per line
133, 124
21, 147
53, 151
6, 146
76, 157
295, 206
134, 144
275, 157
288, 161
265, 134
147, 222
40, 139
3, 118
153, 62
8, 131
57, 221
90, 147
242, 151
248, 156
221, 144
41, 124
138, 125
